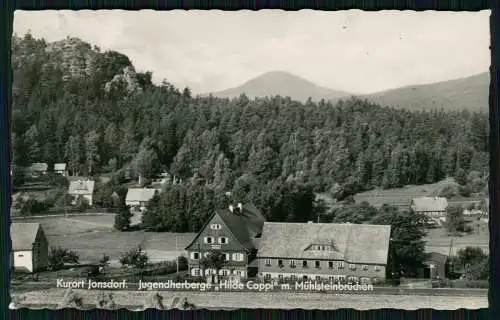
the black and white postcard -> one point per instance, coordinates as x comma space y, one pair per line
250, 159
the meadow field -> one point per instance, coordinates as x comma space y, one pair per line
402, 196
91, 236
439, 241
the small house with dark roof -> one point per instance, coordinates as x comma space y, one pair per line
29, 247
82, 188
430, 206
38, 169
234, 233
323, 252
435, 266
60, 168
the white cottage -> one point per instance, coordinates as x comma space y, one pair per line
30, 250
60, 168
430, 206
82, 188
38, 169
137, 198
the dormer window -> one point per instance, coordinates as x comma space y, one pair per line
215, 226
321, 247
208, 240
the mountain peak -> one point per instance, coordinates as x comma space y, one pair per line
282, 83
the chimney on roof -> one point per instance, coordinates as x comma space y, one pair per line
231, 208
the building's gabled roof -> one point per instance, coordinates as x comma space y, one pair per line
23, 235
39, 166
59, 166
437, 257
429, 204
140, 194
244, 225
354, 243
81, 187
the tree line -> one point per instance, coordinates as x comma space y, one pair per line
73, 103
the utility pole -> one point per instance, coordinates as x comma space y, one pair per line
176, 250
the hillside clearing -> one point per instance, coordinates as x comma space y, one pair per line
402, 196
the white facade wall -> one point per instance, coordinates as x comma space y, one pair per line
23, 259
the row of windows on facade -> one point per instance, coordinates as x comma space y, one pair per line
211, 240
228, 256
223, 272
317, 264
294, 277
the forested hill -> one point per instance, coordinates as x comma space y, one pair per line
469, 93
91, 109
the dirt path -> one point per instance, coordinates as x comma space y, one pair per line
269, 300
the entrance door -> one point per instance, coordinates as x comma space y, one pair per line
427, 273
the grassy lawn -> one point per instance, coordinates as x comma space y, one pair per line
92, 236
402, 196
438, 240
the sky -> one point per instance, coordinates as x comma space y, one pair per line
355, 51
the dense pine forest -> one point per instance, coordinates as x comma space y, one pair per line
74, 103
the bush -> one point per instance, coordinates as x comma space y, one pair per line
64, 200
188, 278
55, 179
82, 204
59, 256
33, 207
136, 258
18, 178
465, 191
447, 191
123, 217
465, 228
470, 284
461, 177
167, 267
